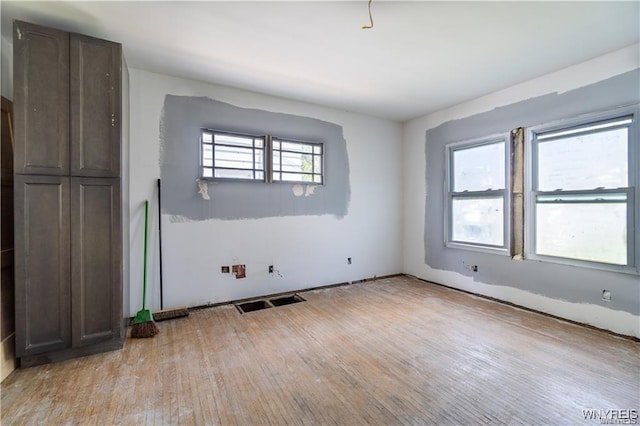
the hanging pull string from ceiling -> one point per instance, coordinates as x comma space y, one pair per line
367, 27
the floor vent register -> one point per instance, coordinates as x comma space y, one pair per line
258, 305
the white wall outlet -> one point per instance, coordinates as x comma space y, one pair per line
606, 295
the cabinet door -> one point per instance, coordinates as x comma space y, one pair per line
42, 289
41, 99
96, 273
95, 106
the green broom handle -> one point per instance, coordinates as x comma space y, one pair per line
144, 276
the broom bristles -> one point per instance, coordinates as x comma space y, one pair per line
144, 329
168, 314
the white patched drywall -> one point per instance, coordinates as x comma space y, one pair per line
306, 251
415, 189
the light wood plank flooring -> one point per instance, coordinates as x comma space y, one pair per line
392, 351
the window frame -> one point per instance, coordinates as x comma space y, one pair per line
213, 144
272, 170
631, 191
267, 157
450, 195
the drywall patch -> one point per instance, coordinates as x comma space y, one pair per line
203, 189
181, 120
298, 190
575, 285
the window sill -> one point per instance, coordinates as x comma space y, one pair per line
502, 251
607, 267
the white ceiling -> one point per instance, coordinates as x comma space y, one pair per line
419, 57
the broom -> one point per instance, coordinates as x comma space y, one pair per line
165, 314
143, 325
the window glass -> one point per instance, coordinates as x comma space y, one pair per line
479, 168
587, 161
476, 213
297, 161
232, 156
478, 220
582, 195
600, 234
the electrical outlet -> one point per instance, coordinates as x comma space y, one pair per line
271, 269
348, 261
606, 295
472, 268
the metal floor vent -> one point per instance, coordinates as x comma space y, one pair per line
257, 305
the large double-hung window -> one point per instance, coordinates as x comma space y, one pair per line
580, 194
582, 189
477, 203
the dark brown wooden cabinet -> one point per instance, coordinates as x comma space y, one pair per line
41, 99
96, 268
68, 255
42, 246
95, 106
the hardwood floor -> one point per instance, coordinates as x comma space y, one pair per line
392, 351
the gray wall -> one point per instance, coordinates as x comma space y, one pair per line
569, 283
182, 119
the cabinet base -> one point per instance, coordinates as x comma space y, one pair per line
33, 360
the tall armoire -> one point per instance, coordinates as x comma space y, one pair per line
68, 204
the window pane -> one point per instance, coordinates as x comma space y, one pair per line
259, 159
298, 161
479, 168
298, 147
584, 162
276, 160
238, 158
221, 153
234, 174
478, 220
207, 155
293, 162
234, 140
600, 234
317, 164
297, 177
306, 164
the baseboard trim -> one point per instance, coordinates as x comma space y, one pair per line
301, 290
515, 305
